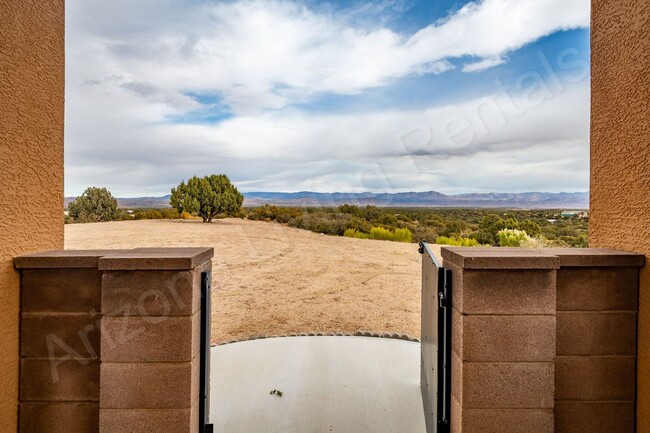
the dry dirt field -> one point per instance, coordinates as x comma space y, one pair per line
272, 280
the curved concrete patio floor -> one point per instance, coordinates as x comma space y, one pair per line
328, 384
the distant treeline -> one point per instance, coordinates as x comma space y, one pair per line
442, 225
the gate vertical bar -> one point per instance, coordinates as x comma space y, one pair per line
204, 389
444, 350
435, 374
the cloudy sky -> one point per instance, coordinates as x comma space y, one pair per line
289, 95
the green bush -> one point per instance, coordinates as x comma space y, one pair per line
371, 213
536, 242
352, 233
350, 209
151, 214
380, 233
387, 219
457, 242
94, 205
454, 228
208, 196
329, 224
399, 235
530, 227
282, 215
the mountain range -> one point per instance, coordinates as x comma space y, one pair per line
523, 200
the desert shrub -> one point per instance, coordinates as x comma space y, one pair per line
434, 221
208, 196
267, 212
399, 235
403, 235
580, 241
534, 242
488, 228
351, 209
334, 225
454, 228
457, 242
188, 216
381, 233
126, 215
170, 214
152, 214
387, 219
94, 205
512, 223
352, 233
512, 237
403, 218
424, 233
371, 213
530, 227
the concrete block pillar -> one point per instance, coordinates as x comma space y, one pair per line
150, 340
595, 368
503, 340
59, 341
110, 340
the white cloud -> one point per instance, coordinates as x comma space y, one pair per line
131, 66
492, 28
483, 64
268, 54
503, 142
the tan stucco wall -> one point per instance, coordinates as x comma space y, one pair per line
31, 160
620, 150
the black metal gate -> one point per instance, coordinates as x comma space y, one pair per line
204, 387
435, 371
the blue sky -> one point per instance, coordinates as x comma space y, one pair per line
452, 96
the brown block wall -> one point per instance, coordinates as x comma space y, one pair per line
543, 340
110, 340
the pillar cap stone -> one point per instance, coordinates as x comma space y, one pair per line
579, 257
156, 259
499, 258
538, 258
62, 259
135, 259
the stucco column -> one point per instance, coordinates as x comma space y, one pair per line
31, 161
620, 151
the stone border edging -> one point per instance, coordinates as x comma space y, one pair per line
322, 334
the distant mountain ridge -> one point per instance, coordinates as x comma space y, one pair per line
523, 200
542, 200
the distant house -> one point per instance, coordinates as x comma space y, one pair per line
574, 214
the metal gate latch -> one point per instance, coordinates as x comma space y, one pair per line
442, 300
